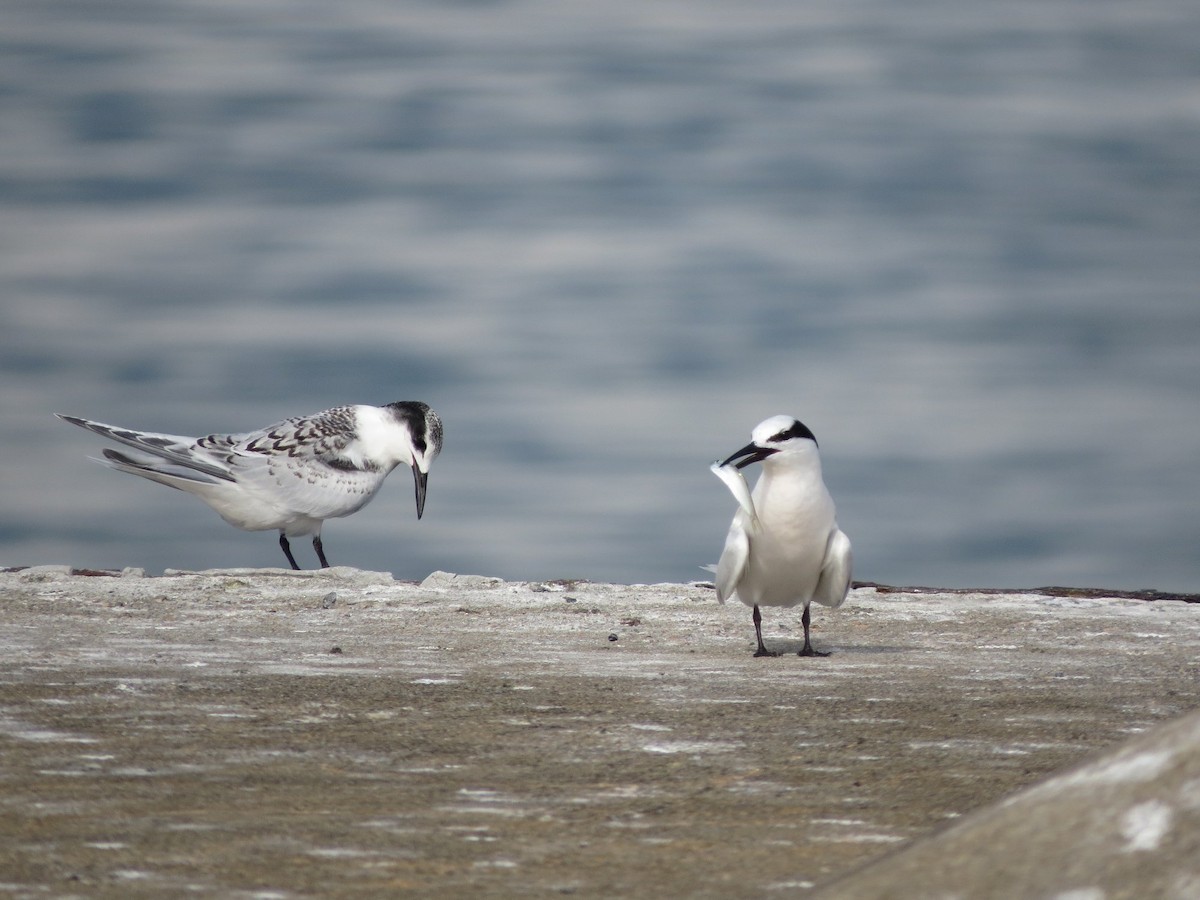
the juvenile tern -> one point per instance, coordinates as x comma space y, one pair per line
784, 547
292, 475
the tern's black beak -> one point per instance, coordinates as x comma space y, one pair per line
749, 455
420, 479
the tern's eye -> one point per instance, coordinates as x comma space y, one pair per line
795, 430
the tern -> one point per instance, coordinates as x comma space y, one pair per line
290, 476
784, 547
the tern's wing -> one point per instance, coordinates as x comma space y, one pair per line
736, 482
169, 454
325, 436
834, 583
308, 464
734, 557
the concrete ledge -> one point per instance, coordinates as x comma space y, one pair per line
1126, 825
328, 734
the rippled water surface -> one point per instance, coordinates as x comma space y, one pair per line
958, 241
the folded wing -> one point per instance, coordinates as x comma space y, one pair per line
834, 581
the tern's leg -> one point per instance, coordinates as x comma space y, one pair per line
762, 650
287, 550
807, 649
320, 551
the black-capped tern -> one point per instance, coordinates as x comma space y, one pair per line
290, 476
784, 547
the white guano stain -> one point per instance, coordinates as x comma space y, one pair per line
1145, 825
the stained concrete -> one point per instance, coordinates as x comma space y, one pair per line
1126, 825
262, 733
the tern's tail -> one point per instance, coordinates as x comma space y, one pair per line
180, 477
166, 458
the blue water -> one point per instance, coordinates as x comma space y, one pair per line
960, 241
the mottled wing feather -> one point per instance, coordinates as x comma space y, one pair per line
304, 461
161, 469
174, 448
323, 436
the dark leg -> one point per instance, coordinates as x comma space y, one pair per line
807, 649
320, 551
287, 550
762, 650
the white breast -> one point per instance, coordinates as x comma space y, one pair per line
796, 516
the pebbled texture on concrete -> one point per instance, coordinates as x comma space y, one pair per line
262, 733
1124, 826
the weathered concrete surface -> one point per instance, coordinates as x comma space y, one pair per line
1124, 826
245, 734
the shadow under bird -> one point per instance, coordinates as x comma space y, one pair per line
784, 547
291, 476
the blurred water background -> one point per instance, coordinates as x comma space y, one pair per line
959, 240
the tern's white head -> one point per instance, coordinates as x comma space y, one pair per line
424, 429
782, 435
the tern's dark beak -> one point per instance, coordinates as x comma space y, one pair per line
420, 479
749, 455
